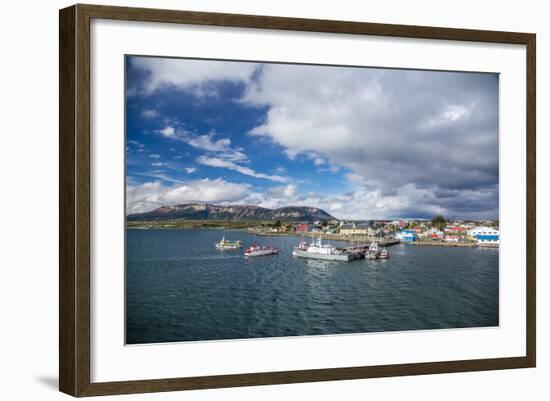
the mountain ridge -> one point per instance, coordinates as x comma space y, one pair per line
207, 211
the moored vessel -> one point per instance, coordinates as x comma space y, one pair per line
318, 250
259, 250
383, 254
373, 252
303, 245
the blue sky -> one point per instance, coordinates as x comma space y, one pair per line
359, 143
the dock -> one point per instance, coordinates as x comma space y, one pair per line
363, 239
358, 252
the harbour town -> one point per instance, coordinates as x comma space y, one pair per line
359, 235
414, 232
364, 239
369, 240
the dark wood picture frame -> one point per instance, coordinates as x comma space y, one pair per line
74, 202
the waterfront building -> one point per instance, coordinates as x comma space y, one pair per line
361, 229
453, 238
455, 229
406, 236
485, 235
347, 229
302, 228
399, 223
434, 233
357, 229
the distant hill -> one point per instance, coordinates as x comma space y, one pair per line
199, 211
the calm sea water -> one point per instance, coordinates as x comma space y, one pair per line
180, 288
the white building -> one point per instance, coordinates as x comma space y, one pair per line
485, 235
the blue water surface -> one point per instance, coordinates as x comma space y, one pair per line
180, 288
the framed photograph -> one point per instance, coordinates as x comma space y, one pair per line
250, 200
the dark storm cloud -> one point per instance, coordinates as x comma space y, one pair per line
416, 134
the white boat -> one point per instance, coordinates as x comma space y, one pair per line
225, 244
373, 252
258, 250
373, 247
384, 254
303, 245
318, 250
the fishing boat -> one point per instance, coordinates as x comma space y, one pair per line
303, 245
373, 252
261, 250
225, 244
384, 254
318, 250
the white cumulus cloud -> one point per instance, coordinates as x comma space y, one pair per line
150, 195
168, 73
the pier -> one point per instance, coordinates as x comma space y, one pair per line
359, 239
358, 252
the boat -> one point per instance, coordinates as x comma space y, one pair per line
261, 250
303, 245
318, 250
373, 252
384, 254
225, 244
373, 247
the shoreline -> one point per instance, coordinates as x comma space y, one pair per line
453, 244
328, 237
364, 239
